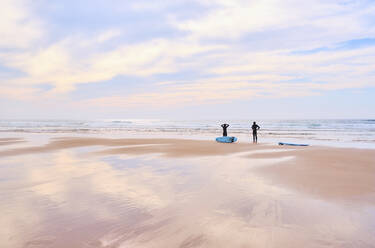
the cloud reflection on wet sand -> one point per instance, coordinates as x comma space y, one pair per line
63, 199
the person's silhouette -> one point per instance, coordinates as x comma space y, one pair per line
225, 126
255, 128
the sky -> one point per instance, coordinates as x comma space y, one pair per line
187, 59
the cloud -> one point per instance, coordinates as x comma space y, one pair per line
19, 28
235, 49
319, 21
108, 35
196, 93
65, 64
231, 19
18, 93
251, 75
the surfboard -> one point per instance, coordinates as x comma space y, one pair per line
226, 139
291, 144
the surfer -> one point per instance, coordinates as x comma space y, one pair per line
225, 126
255, 128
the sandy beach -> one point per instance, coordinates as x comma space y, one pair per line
105, 192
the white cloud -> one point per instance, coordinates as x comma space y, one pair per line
18, 93
234, 18
108, 35
231, 70
251, 75
321, 21
19, 28
59, 65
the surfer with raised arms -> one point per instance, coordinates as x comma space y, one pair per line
255, 128
225, 126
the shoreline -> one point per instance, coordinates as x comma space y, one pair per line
242, 138
66, 142
351, 133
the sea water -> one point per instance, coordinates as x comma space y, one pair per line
343, 132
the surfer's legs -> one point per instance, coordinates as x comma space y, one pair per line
255, 138
225, 133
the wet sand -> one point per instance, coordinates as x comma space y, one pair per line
98, 192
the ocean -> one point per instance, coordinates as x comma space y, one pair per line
358, 133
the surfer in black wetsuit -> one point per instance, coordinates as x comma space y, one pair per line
255, 128
225, 126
